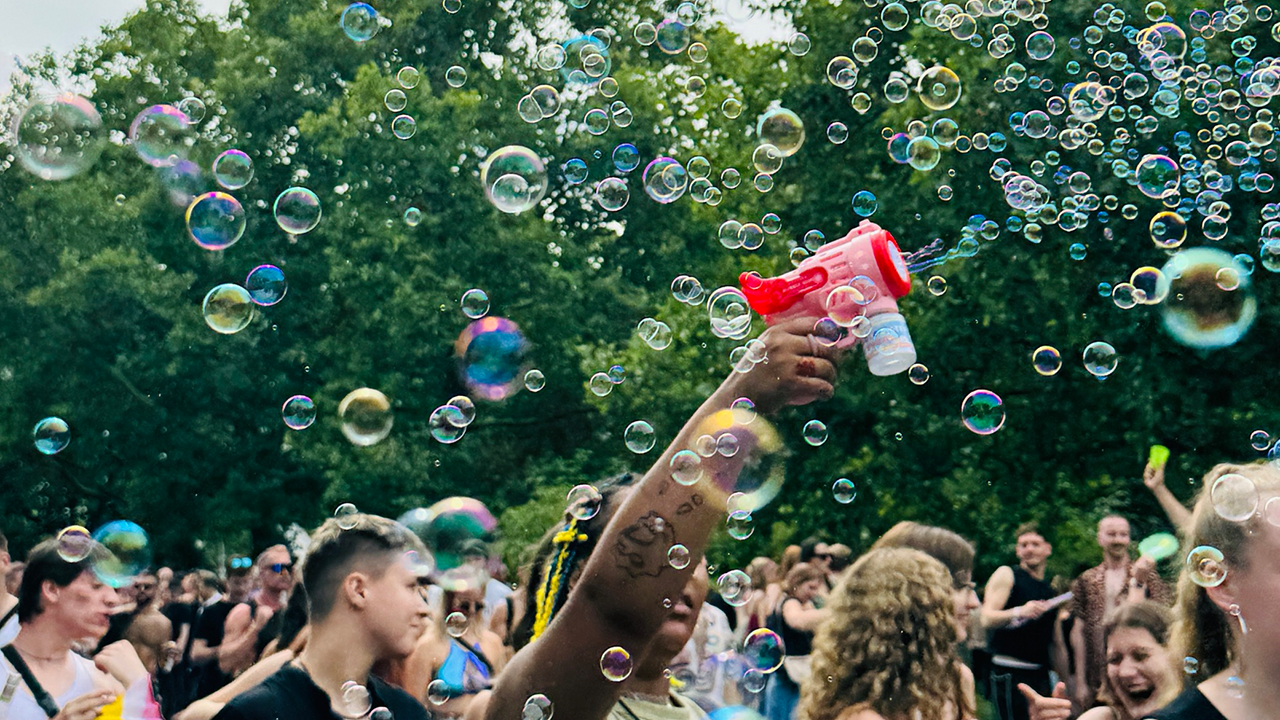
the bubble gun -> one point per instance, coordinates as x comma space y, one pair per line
861, 275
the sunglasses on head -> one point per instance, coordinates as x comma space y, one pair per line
240, 563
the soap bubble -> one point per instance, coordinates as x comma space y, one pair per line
923, 153
894, 16
575, 171
739, 525
233, 169
982, 412
615, 664
782, 129
475, 303
1168, 229
730, 313
1210, 300
865, 203
1234, 497
842, 72
1047, 360
537, 707
74, 543
686, 467
161, 135
665, 180
347, 516
535, 380
844, 491
360, 23
918, 374
734, 588
215, 220
408, 77
51, 435
584, 502
1150, 287
125, 552
939, 88
1206, 566
514, 178
446, 424
228, 309
672, 36
837, 133
612, 194
366, 416
438, 692
1260, 440
297, 210
937, 285
678, 556
1100, 359
57, 138
491, 353
193, 107
1040, 45
298, 412
1089, 101
455, 76
356, 701
266, 285
639, 437
448, 527
762, 650
1158, 176
814, 432
767, 159
404, 127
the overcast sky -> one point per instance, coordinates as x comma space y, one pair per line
32, 25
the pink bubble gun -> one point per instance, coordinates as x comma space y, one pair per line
856, 281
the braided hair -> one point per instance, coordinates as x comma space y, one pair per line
558, 558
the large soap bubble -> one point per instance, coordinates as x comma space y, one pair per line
57, 138
161, 135
1209, 299
514, 178
782, 129
491, 354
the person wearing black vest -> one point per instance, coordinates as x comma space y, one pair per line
1024, 638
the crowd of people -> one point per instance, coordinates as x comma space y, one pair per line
608, 620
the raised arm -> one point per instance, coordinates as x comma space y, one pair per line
619, 599
1153, 478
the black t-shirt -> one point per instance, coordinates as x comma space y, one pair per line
1030, 641
290, 694
179, 614
1190, 705
210, 628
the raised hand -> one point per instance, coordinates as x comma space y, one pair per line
1056, 707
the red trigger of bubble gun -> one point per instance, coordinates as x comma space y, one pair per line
856, 281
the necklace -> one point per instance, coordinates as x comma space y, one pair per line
55, 658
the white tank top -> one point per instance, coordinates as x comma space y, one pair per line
21, 705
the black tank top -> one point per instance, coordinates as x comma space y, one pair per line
1029, 642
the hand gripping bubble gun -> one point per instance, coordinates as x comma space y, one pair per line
867, 260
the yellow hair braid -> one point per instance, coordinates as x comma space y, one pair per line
557, 565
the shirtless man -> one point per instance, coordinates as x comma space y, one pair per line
150, 632
1099, 591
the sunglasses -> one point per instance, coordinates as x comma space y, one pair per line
240, 563
280, 568
471, 605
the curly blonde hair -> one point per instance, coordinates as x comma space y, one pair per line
889, 644
1201, 629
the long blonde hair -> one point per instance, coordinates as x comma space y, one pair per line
889, 644
1201, 630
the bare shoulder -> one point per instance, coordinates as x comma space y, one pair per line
1098, 713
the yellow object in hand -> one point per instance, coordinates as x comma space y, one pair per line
1159, 456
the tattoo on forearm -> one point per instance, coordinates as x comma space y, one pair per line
642, 549
688, 506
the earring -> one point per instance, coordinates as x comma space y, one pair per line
1234, 611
